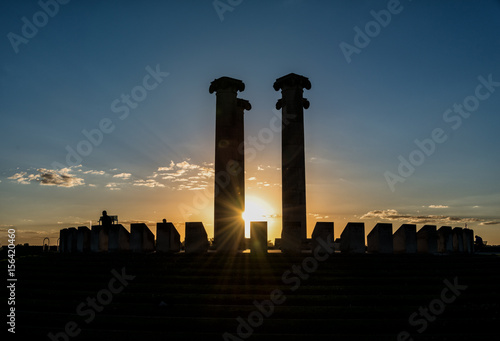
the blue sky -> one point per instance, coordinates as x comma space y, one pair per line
367, 109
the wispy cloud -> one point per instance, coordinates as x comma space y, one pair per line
113, 186
183, 176
490, 223
394, 215
148, 183
437, 206
93, 172
123, 176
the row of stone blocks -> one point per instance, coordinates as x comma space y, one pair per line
141, 239
380, 240
406, 239
116, 238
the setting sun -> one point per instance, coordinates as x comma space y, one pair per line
256, 209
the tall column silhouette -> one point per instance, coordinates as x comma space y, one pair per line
229, 190
294, 229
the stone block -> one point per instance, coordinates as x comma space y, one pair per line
405, 239
83, 239
119, 238
196, 238
63, 239
322, 231
141, 238
445, 239
258, 237
427, 239
468, 236
458, 240
352, 239
71, 239
167, 238
380, 239
99, 238
291, 241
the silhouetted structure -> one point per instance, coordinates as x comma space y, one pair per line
427, 239
167, 237
196, 238
322, 231
292, 158
83, 239
105, 219
405, 239
141, 238
229, 193
445, 239
379, 239
258, 238
352, 239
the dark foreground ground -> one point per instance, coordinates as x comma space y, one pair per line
181, 297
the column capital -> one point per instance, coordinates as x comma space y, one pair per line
243, 104
226, 83
292, 80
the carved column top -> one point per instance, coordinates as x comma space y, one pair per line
292, 80
243, 103
226, 83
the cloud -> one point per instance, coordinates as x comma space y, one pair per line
20, 178
148, 183
60, 178
437, 206
394, 215
94, 172
113, 186
49, 177
181, 176
123, 176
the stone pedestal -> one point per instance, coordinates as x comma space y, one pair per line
167, 238
229, 191
445, 239
293, 173
83, 239
258, 237
99, 238
196, 238
468, 236
352, 239
427, 239
119, 238
458, 240
141, 238
380, 239
405, 239
322, 231
291, 241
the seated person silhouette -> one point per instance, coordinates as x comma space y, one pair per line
105, 219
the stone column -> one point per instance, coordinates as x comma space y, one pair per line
229, 191
292, 154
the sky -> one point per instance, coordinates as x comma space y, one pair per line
105, 106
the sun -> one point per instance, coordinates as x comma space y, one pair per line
256, 209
